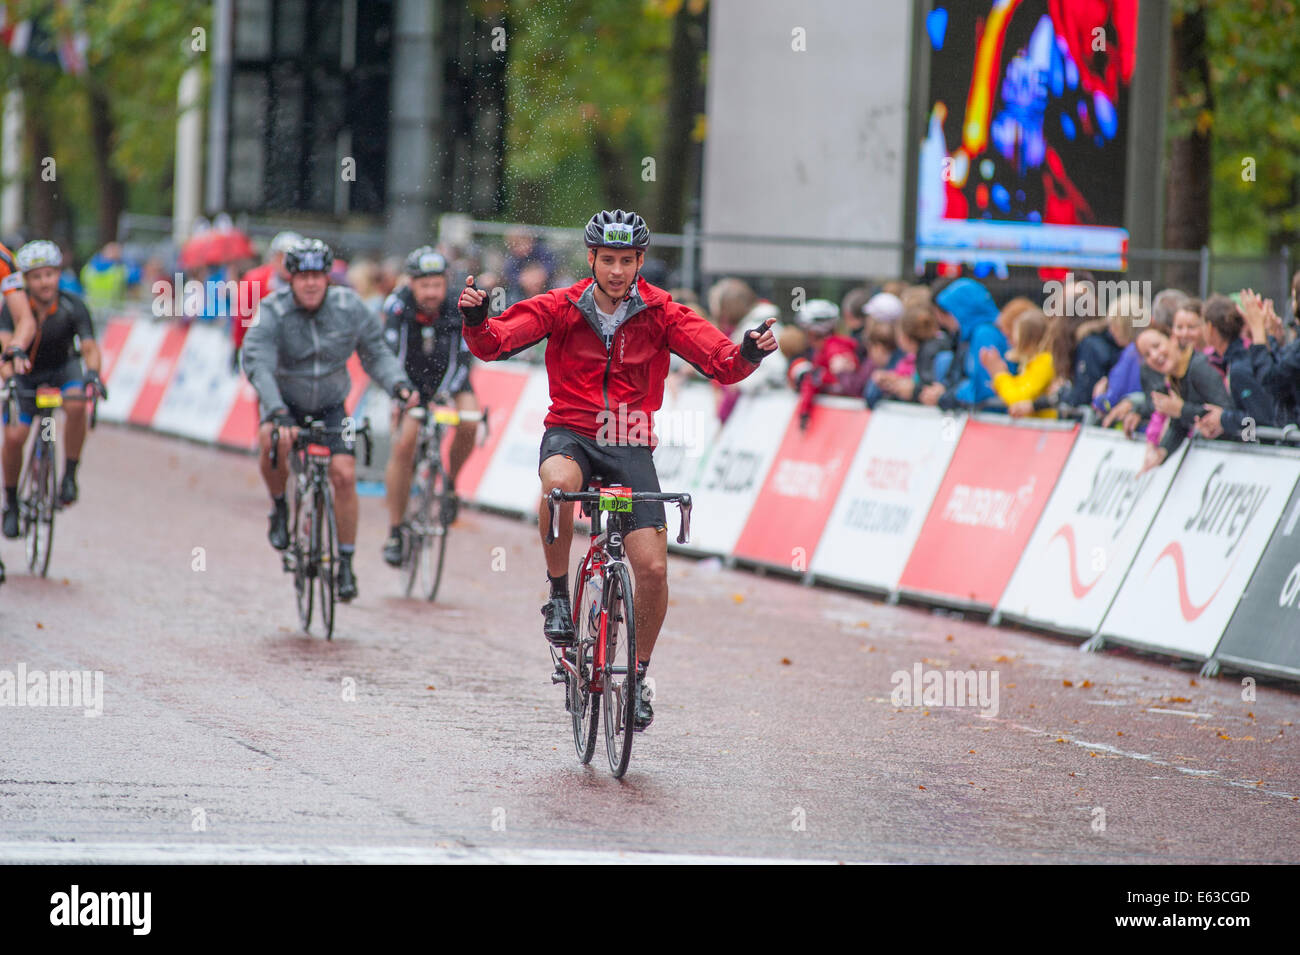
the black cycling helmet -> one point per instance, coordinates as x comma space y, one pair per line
617, 230
309, 255
426, 260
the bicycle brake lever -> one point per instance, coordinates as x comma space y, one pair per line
553, 501
684, 508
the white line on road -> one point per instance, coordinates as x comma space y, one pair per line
138, 853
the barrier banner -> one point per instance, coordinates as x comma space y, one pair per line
131, 368
1264, 633
686, 427
1202, 549
790, 512
735, 469
498, 389
159, 376
203, 388
510, 480
997, 485
111, 336
1089, 534
886, 496
240, 427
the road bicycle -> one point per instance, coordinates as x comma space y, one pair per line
425, 529
38, 494
602, 662
312, 555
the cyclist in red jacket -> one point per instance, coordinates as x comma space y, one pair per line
607, 357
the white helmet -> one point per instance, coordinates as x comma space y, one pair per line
818, 315
884, 307
284, 241
39, 254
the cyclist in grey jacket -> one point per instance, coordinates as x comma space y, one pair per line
295, 354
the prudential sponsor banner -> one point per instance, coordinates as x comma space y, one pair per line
1089, 533
1265, 631
898, 466
1201, 550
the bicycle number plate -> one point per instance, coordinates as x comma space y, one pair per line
318, 451
48, 399
616, 499
446, 416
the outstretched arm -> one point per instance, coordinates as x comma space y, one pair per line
521, 326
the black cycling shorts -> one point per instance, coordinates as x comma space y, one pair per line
332, 417
67, 377
629, 465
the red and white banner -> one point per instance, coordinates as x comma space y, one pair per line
510, 480
1089, 533
997, 485
802, 485
132, 368
735, 469
686, 426
497, 388
1202, 548
203, 388
886, 496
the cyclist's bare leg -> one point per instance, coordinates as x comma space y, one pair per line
647, 552
564, 473
276, 479
463, 443
74, 429
15, 438
397, 477
343, 475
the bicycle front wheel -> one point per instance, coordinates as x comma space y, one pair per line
327, 537
584, 711
301, 549
618, 681
435, 543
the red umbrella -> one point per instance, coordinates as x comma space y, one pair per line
214, 247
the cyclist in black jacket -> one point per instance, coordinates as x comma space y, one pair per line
424, 329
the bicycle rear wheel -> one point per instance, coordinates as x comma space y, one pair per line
301, 544
37, 507
327, 537
618, 682
49, 502
584, 711
417, 527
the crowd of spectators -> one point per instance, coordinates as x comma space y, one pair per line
1163, 368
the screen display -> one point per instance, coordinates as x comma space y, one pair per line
1023, 156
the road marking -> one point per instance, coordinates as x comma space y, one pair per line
140, 853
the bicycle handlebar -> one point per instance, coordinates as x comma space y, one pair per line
421, 413
558, 497
316, 429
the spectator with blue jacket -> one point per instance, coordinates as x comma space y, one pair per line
961, 378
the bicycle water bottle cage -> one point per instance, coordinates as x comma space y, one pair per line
49, 398
318, 451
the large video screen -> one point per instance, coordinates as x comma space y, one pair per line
1023, 156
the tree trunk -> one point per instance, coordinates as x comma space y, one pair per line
613, 175
112, 190
1187, 192
685, 82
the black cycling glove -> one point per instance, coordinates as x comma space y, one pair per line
749, 349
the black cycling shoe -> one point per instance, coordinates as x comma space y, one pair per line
644, 714
68, 489
559, 622
278, 533
345, 581
11, 522
393, 550
450, 509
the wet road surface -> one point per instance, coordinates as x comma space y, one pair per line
433, 733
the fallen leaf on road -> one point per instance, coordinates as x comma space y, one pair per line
864, 624
1067, 683
738, 598
1085, 684
429, 687
920, 787
39, 625
1062, 740
948, 638
1002, 658
785, 661
1119, 732
1192, 683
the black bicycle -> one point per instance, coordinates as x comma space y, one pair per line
605, 622
312, 555
38, 494
425, 530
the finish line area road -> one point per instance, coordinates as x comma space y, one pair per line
432, 733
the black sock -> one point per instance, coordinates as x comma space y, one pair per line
11, 497
559, 586
641, 667
347, 550
395, 530
70, 466
280, 503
